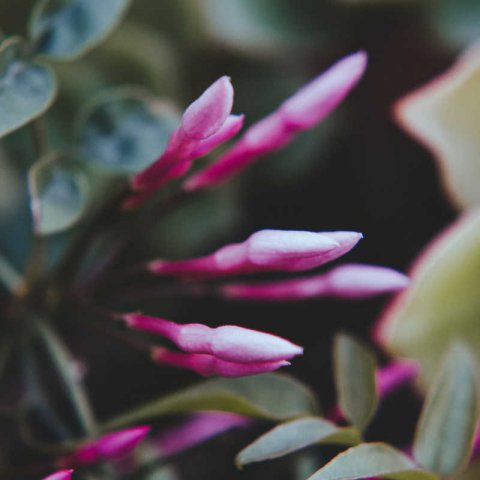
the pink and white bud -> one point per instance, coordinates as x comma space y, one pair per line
266, 250
351, 281
209, 365
195, 430
203, 118
229, 129
111, 446
228, 342
60, 475
394, 375
208, 113
302, 111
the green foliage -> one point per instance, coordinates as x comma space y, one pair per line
448, 420
27, 88
269, 396
371, 460
355, 380
65, 29
125, 130
59, 193
295, 435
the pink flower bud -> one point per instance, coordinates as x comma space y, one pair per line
266, 250
208, 365
303, 110
352, 281
208, 113
195, 430
60, 475
228, 342
203, 119
111, 446
394, 375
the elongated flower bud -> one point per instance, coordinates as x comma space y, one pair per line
203, 119
60, 475
303, 110
195, 430
394, 375
351, 281
228, 342
108, 447
266, 250
209, 365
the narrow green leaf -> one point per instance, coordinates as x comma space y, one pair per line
372, 460
27, 88
447, 424
65, 29
269, 396
295, 435
58, 192
354, 366
125, 130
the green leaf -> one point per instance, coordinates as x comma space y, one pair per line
125, 130
65, 29
442, 302
295, 435
371, 460
447, 424
58, 192
27, 88
270, 396
355, 380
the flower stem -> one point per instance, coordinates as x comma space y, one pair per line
9, 276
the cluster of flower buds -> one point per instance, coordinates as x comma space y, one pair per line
228, 351
109, 447
208, 122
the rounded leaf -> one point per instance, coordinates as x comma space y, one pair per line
65, 29
125, 130
27, 88
58, 194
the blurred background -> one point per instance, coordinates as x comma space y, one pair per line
356, 171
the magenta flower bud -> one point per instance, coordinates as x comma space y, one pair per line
228, 342
351, 281
196, 430
317, 99
209, 365
394, 375
303, 110
60, 475
229, 129
208, 113
111, 446
266, 250
203, 119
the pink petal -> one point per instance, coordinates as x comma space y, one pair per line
353, 281
208, 365
60, 475
195, 430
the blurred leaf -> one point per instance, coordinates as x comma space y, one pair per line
270, 396
443, 116
471, 473
65, 29
295, 435
355, 380
26, 89
447, 424
371, 460
58, 191
125, 130
442, 302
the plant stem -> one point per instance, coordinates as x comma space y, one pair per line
63, 363
38, 132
